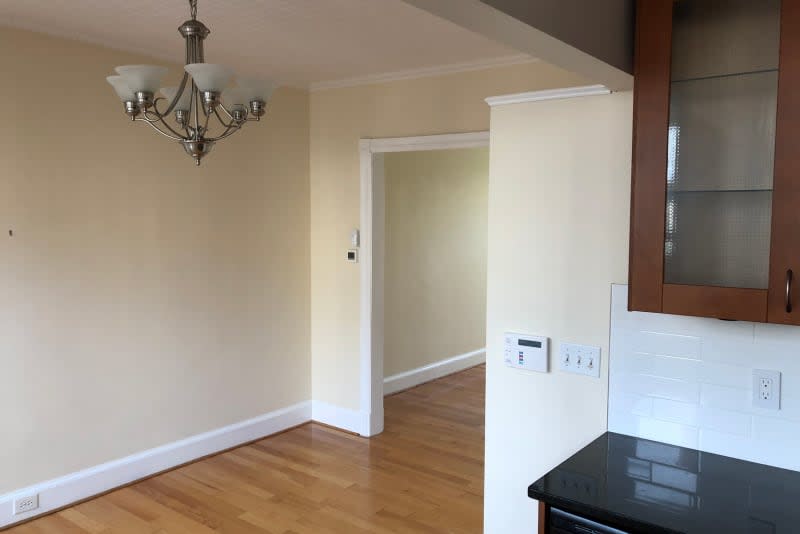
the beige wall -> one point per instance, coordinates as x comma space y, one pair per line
339, 118
144, 300
435, 262
558, 204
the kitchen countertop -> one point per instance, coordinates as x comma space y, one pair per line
646, 486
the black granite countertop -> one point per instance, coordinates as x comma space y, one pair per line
645, 486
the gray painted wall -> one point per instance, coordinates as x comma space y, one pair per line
601, 28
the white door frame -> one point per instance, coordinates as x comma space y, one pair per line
372, 259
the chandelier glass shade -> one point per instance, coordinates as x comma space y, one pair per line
200, 111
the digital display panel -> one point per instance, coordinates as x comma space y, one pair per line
528, 343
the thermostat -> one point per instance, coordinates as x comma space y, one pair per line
524, 351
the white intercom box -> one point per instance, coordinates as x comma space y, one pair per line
524, 351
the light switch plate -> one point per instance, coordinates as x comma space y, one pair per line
579, 359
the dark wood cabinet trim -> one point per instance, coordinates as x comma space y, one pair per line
785, 245
720, 302
544, 518
649, 166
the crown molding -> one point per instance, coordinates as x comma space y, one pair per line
426, 72
549, 94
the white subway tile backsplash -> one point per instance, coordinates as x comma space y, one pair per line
781, 356
733, 376
726, 397
623, 422
653, 429
688, 381
790, 407
790, 376
664, 366
728, 351
778, 333
677, 412
676, 433
667, 344
632, 403
766, 429
660, 387
738, 332
777, 441
727, 421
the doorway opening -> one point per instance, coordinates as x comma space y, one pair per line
389, 159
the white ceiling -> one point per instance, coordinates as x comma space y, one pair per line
295, 42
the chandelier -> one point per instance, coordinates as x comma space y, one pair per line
202, 103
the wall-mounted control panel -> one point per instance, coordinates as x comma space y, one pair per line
579, 359
523, 351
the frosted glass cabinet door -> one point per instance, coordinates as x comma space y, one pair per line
722, 133
715, 195
721, 142
718, 239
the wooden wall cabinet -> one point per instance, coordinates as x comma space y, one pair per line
715, 202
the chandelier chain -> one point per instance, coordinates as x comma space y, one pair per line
193, 9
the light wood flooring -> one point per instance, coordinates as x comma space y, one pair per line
424, 474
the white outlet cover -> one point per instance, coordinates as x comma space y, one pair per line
26, 504
767, 389
579, 359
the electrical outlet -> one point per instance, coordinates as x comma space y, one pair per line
579, 359
767, 389
26, 504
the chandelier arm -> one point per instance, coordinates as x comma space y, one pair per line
159, 130
155, 107
228, 125
160, 118
229, 132
196, 113
205, 123
228, 113
230, 129
179, 94
170, 128
145, 118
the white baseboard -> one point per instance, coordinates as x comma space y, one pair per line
415, 377
81, 485
63, 491
336, 416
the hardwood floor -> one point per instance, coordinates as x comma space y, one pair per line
423, 474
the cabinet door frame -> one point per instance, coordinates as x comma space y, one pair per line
651, 103
785, 235
651, 91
